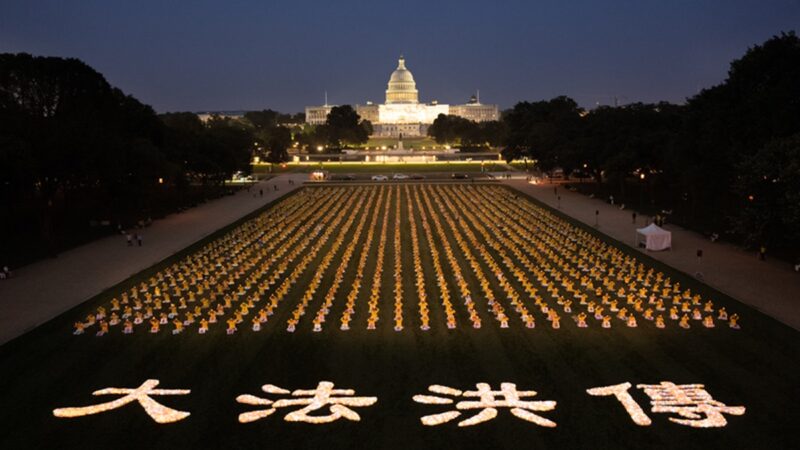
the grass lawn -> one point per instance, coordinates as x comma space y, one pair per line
415, 143
319, 231
389, 168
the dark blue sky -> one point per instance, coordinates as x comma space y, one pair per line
226, 55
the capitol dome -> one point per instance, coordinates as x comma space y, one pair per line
402, 87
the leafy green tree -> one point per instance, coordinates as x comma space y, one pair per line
295, 119
278, 145
620, 141
210, 152
344, 127
263, 120
725, 124
494, 132
229, 146
544, 131
469, 135
65, 131
367, 126
768, 193
309, 138
446, 129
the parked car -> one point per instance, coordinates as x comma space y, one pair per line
417, 176
348, 177
400, 176
379, 178
460, 176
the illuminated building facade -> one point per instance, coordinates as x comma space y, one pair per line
402, 113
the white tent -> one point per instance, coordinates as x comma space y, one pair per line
654, 237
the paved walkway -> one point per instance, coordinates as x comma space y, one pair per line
43, 290
770, 286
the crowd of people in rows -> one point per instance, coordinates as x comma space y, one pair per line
478, 251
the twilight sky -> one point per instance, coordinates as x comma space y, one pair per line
256, 54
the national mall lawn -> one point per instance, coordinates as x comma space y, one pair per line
469, 225
408, 168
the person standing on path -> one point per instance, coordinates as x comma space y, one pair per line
129, 238
699, 273
139, 239
762, 253
633, 216
261, 192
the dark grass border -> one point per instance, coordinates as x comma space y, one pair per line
395, 365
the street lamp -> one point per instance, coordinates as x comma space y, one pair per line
641, 191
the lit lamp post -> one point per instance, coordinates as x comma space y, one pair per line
255, 154
641, 191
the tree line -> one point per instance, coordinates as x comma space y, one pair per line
726, 161
343, 128
466, 134
78, 157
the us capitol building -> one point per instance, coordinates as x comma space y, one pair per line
403, 113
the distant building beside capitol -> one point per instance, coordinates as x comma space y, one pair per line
205, 116
403, 113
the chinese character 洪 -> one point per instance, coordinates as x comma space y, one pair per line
487, 402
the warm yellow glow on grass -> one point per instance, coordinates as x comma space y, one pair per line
478, 254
